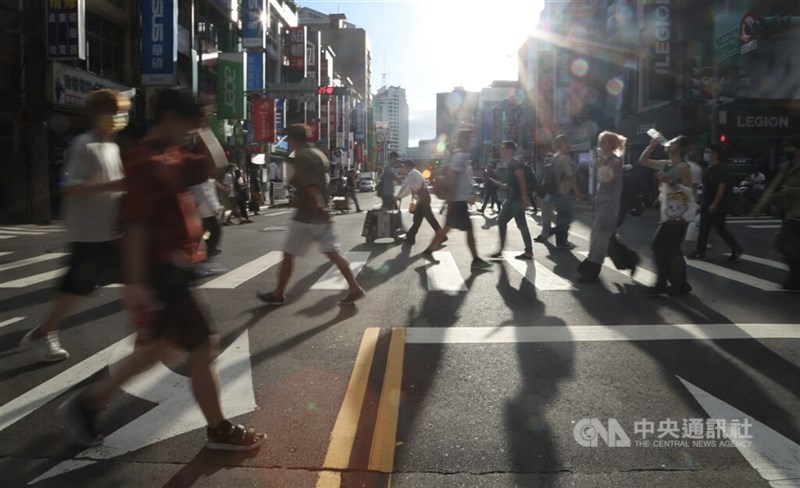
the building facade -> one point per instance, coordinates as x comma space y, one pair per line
391, 108
455, 110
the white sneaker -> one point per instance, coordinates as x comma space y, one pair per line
45, 349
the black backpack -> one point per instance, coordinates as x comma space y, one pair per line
550, 181
531, 182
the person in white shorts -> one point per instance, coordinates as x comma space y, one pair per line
312, 221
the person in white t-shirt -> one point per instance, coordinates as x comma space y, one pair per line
459, 190
93, 189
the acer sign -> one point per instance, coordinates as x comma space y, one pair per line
230, 99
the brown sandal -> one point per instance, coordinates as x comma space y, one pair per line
229, 437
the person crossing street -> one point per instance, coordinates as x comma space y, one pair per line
516, 203
415, 184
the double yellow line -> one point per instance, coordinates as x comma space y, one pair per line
340, 447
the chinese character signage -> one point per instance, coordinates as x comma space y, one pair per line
255, 71
296, 47
359, 114
263, 119
159, 42
280, 118
71, 86
252, 26
66, 29
230, 85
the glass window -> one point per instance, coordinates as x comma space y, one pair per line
105, 42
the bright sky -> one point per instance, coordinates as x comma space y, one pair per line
431, 46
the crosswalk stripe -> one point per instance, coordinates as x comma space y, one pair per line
16, 232
34, 279
54, 227
445, 276
11, 321
33, 260
572, 232
732, 275
236, 277
642, 276
333, 279
748, 220
7, 237
6, 253
763, 226
538, 274
765, 262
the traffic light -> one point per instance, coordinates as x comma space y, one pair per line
723, 138
325, 90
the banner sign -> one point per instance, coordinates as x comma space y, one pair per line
255, 71
314, 125
263, 119
71, 86
66, 29
252, 26
324, 119
230, 85
159, 42
296, 47
359, 114
280, 115
332, 120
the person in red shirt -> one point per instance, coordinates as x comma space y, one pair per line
162, 235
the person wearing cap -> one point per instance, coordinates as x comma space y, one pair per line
514, 206
415, 184
162, 234
312, 220
93, 189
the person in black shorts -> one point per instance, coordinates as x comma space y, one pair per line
93, 190
459, 190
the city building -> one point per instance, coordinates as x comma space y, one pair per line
455, 110
391, 108
500, 108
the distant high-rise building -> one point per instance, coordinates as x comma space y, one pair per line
391, 107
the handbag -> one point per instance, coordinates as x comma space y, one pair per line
412, 207
693, 229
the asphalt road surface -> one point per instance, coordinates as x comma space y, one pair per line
440, 377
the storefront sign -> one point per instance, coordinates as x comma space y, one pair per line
297, 49
159, 42
252, 25
71, 86
230, 83
255, 71
263, 119
360, 134
661, 36
280, 115
66, 29
762, 122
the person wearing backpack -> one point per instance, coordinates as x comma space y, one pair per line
514, 206
563, 181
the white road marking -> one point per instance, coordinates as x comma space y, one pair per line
598, 333
572, 233
538, 274
774, 456
444, 276
748, 220
732, 275
765, 262
177, 412
6, 253
11, 321
236, 277
33, 260
34, 279
275, 214
21, 232
7, 237
763, 226
27, 403
333, 279
642, 276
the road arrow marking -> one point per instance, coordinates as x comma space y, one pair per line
776, 458
177, 412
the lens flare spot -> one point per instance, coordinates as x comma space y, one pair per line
580, 67
614, 87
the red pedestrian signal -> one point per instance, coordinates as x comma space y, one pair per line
325, 90
723, 138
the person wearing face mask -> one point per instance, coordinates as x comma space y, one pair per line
92, 191
716, 204
786, 187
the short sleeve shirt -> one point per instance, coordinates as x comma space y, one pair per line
159, 198
714, 176
564, 170
461, 170
93, 218
310, 168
